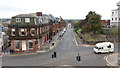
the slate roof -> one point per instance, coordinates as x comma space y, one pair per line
25, 15
118, 4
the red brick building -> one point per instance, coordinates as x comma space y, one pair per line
29, 32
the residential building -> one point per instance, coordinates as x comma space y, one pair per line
29, 32
115, 18
1, 36
105, 23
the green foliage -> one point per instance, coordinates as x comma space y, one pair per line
93, 23
114, 31
76, 25
79, 31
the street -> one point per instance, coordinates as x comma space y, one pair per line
67, 50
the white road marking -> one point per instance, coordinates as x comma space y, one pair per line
76, 42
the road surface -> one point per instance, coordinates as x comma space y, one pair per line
67, 50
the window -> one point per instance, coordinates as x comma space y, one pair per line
37, 31
30, 44
23, 32
40, 20
16, 44
109, 46
13, 32
33, 32
112, 19
27, 20
112, 13
18, 19
40, 30
116, 19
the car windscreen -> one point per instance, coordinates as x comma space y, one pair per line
96, 47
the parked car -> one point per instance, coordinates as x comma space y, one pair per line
64, 29
104, 47
62, 34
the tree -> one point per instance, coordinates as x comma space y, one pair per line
93, 23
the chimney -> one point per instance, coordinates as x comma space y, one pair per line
39, 13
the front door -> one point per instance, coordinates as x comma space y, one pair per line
23, 45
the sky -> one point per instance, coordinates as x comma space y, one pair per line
67, 9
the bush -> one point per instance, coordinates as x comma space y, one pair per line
114, 31
79, 31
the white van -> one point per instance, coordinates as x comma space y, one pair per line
104, 47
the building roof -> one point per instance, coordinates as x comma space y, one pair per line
114, 10
25, 15
118, 4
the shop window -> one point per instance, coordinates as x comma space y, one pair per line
16, 45
30, 44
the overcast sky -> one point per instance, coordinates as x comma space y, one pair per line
67, 9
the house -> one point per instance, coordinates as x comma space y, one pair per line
1, 36
29, 32
105, 23
115, 17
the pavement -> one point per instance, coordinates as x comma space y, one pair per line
112, 59
79, 41
55, 41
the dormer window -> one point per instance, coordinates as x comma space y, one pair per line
18, 19
27, 20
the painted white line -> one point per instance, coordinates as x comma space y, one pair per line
76, 42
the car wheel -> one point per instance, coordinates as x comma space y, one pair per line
99, 52
111, 51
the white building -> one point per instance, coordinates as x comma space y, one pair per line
115, 18
1, 37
